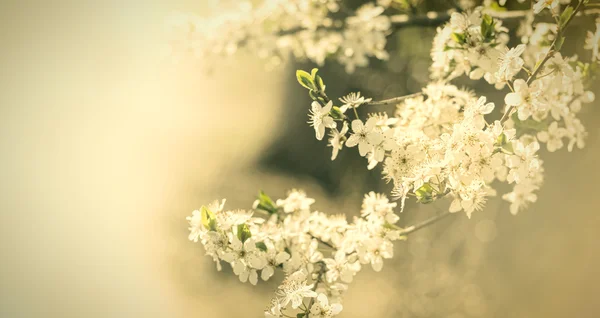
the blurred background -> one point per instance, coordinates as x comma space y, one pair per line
106, 148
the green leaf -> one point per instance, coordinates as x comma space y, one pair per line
425, 193
209, 220
313, 72
320, 84
266, 203
305, 80
564, 17
487, 26
501, 140
261, 246
559, 42
300, 315
459, 38
243, 232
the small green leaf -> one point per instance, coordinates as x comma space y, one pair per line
559, 42
305, 80
243, 232
459, 38
564, 17
209, 220
501, 140
320, 84
266, 203
487, 26
425, 193
261, 246
300, 315
313, 73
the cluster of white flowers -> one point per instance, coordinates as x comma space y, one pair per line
292, 237
439, 144
444, 142
470, 44
307, 29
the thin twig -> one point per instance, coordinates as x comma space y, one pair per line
548, 55
425, 223
433, 18
394, 100
322, 271
321, 241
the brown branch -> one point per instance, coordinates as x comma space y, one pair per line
433, 18
423, 224
394, 100
578, 9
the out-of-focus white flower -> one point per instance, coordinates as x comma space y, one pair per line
322, 309
510, 63
525, 98
542, 4
521, 196
336, 140
592, 41
552, 137
295, 201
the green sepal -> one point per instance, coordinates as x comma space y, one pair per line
459, 38
425, 193
501, 140
209, 220
336, 113
243, 232
261, 246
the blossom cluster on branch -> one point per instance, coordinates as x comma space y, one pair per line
444, 142
306, 29
319, 253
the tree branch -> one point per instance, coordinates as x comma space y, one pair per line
578, 9
394, 100
433, 18
423, 224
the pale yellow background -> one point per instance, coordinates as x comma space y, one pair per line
105, 149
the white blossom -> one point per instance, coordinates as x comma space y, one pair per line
525, 98
337, 139
510, 63
553, 136
364, 136
320, 118
322, 309
294, 289
592, 41
542, 4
